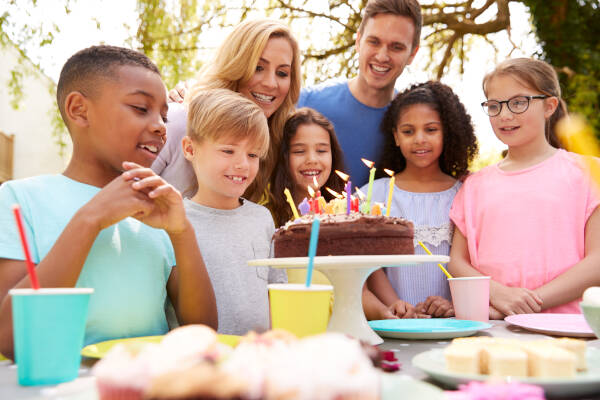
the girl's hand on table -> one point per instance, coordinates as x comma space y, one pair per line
435, 306
402, 309
514, 300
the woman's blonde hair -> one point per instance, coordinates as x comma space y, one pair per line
235, 63
539, 76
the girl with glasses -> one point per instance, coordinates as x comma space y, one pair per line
530, 222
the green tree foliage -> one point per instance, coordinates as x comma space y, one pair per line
569, 32
169, 33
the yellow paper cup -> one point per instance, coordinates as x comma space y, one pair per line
298, 309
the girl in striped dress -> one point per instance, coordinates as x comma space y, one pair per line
429, 143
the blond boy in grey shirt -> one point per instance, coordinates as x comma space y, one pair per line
227, 135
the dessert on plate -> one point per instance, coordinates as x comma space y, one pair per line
190, 364
501, 357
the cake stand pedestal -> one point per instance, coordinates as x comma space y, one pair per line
347, 275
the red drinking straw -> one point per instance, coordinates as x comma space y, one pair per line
32, 275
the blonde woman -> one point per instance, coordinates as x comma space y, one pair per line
260, 60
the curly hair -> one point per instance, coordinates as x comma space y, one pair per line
282, 178
460, 143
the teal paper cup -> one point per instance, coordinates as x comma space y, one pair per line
48, 331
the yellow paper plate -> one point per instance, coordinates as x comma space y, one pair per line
99, 350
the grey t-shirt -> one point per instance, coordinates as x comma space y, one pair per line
227, 240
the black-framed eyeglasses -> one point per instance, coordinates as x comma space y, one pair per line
517, 104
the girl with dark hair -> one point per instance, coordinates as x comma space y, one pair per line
429, 142
309, 149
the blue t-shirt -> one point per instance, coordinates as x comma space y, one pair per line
128, 265
356, 125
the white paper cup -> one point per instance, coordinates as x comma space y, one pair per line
471, 297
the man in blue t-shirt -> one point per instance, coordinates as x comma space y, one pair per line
387, 41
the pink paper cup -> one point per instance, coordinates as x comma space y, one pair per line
471, 297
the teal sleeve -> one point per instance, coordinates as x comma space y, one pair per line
10, 243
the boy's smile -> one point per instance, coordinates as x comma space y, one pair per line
224, 169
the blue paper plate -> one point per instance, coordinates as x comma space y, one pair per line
434, 328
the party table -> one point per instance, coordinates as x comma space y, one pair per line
347, 275
405, 350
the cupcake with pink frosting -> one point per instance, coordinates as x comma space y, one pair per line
126, 372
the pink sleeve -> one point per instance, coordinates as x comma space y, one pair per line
593, 199
457, 211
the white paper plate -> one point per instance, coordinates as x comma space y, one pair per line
432, 362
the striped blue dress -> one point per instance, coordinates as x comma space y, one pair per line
429, 213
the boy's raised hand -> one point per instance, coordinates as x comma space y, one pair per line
167, 210
435, 306
514, 300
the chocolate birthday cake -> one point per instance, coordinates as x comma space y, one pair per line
340, 234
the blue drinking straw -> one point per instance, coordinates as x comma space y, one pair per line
312, 249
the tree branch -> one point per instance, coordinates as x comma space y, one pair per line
328, 53
288, 6
447, 54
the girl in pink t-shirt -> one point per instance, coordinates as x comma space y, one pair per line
531, 222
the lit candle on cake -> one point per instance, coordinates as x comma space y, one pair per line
390, 192
347, 188
288, 196
334, 193
336, 207
312, 201
359, 193
371, 165
316, 184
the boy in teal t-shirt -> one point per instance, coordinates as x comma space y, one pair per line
108, 222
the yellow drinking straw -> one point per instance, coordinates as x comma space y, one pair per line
288, 196
439, 265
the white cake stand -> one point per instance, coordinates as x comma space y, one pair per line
348, 274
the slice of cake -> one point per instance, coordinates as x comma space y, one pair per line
547, 360
504, 360
463, 358
575, 346
340, 234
